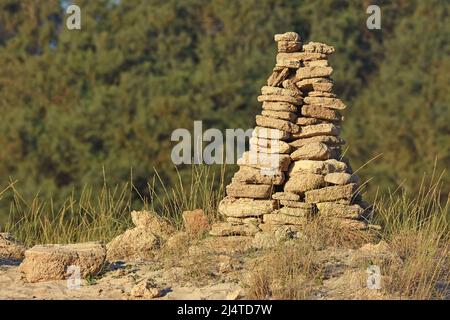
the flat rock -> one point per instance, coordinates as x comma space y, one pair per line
298, 204
249, 175
316, 63
328, 140
312, 151
278, 75
340, 178
255, 191
277, 146
242, 207
250, 220
279, 106
195, 222
281, 219
139, 243
312, 72
289, 46
268, 90
300, 56
331, 103
333, 209
287, 196
153, 222
318, 166
318, 47
223, 229
303, 121
270, 133
287, 36
299, 183
321, 94
296, 211
332, 193
278, 98
315, 84
279, 124
321, 129
53, 261
284, 115
269, 163
319, 112
10, 248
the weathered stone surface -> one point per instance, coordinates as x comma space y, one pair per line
331, 103
316, 63
152, 221
278, 218
318, 47
316, 84
279, 98
240, 208
302, 121
317, 166
146, 289
312, 72
249, 175
289, 196
10, 248
279, 124
195, 222
268, 90
296, 211
333, 209
312, 151
321, 94
139, 243
52, 262
286, 63
289, 46
300, 56
251, 220
278, 75
330, 193
270, 133
279, 106
272, 163
319, 112
299, 183
278, 146
298, 204
328, 140
273, 234
256, 191
287, 36
222, 229
340, 178
321, 129
284, 115
289, 83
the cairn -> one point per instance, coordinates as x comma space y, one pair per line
294, 169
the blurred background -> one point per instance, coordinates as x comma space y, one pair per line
80, 105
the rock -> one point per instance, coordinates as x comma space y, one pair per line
322, 129
256, 191
277, 98
268, 90
139, 243
317, 166
288, 196
328, 140
249, 175
273, 235
10, 248
289, 46
51, 262
298, 204
152, 221
379, 249
316, 84
340, 178
296, 212
242, 207
330, 193
299, 183
312, 72
299, 56
319, 112
333, 209
312, 151
286, 63
284, 115
251, 220
302, 121
318, 47
287, 36
321, 94
331, 103
195, 222
279, 124
278, 75
264, 240
278, 145
146, 289
316, 63
270, 133
279, 106
222, 229
282, 219
274, 163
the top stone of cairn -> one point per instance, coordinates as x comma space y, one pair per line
287, 36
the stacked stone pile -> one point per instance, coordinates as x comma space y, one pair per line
294, 169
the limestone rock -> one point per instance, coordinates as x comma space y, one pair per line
278, 75
300, 56
146, 289
269, 162
316, 63
195, 222
284, 115
229, 229
152, 221
302, 121
289, 46
322, 129
250, 220
278, 98
279, 106
139, 243
299, 183
287, 196
312, 151
316, 84
282, 219
321, 94
296, 211
242, 207
331, 103
278, 146
328, 140
333, 209
340, 178
268, 90
287, 36
256, 191
52, 261
328, 194
270, 133
317, 166
312, 72
318, 47
298, 204
10, 248
279, 124
249, 175
319, 112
